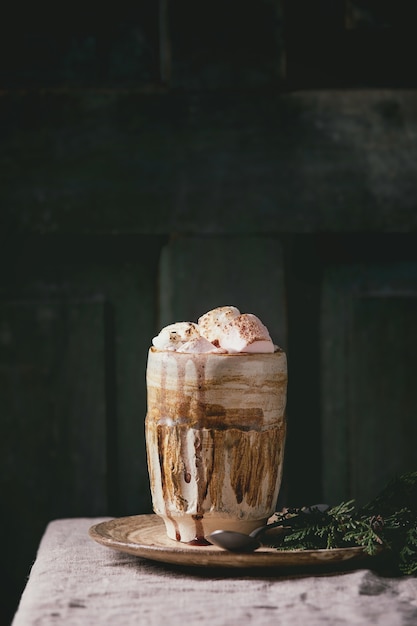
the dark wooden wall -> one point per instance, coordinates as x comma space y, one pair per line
160, 159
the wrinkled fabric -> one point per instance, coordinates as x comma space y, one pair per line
75, 581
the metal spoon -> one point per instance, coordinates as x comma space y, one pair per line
239, 542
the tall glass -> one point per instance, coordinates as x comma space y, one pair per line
215, 436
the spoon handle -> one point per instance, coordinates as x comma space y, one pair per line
290, 521
258, 531
262, 529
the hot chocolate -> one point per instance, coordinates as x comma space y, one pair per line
215, 426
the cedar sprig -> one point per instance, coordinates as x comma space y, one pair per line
388, 521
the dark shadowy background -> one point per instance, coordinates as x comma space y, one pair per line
158, 159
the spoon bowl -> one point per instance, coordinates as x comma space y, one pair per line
240, 542
233, 541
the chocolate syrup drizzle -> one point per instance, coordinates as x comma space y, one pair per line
252, 450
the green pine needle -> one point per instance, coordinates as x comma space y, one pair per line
388, 521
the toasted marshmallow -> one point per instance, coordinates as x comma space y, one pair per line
174, 336
200, 345
222, 330
211, 324
246, 333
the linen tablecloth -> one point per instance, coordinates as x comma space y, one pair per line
75, 581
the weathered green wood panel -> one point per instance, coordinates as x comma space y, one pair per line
130, 293
76, 319
213, 45
226, 45
303, 448
81, 44
383, 392
131, 288
328, 161
53, 404
368, 342
52, 399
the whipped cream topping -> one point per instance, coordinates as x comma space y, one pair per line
223, 330
211, 324
174, 336
246, 333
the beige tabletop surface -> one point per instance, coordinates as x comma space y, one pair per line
76, 581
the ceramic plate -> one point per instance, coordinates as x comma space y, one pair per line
144, 536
